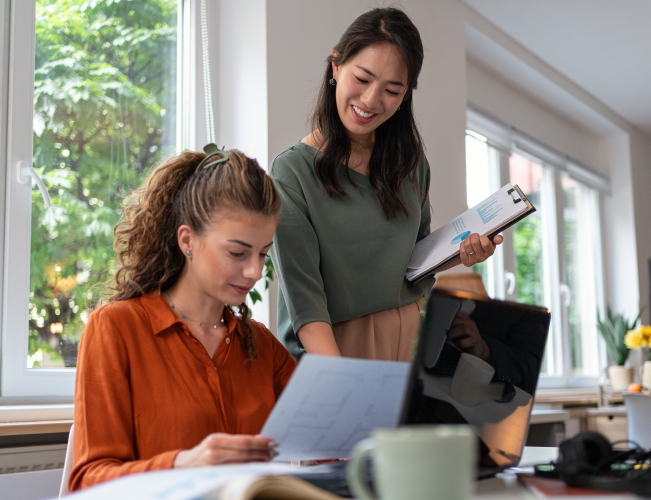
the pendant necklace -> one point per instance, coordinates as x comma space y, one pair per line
184, 317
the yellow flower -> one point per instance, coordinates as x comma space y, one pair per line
636, 339
646, 333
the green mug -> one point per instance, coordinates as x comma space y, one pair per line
419, 462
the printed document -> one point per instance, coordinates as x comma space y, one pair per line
332, 403
490, 217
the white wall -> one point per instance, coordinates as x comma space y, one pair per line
240, 91
488, 91
641, 180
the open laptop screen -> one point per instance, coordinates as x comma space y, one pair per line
495, 395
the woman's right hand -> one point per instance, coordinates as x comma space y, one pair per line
221, 448
317, 338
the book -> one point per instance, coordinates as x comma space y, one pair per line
493, 215
270, 488
250, 481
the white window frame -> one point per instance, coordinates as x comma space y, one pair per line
17, 382
505, 140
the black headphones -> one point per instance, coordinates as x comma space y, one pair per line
588, 460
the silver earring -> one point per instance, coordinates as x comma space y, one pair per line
398, 108
332, 81
188, 252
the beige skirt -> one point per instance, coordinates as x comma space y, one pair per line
386, 335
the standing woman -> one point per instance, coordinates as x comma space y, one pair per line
355, 201
169, 375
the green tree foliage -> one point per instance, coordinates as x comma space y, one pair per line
104, 99
527, 243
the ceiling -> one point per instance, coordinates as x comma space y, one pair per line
604, 46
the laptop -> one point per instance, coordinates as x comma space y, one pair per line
498, 406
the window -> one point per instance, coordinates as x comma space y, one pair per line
551, 258
96, 109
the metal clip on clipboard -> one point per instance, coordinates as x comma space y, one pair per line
514, 194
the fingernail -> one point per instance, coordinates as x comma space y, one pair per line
272, 445
273, 453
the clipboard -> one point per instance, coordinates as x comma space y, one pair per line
490, 217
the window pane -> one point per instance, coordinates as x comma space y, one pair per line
580, 216
104, 111
482, 179
529, 235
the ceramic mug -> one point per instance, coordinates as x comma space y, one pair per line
418, 462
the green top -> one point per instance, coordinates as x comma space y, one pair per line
339, 258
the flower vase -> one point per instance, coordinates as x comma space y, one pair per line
645, 375
620, 377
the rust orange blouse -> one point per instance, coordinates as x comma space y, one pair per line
147, 389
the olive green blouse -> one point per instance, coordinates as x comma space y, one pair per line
339, 258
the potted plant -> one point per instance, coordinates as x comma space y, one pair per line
613, 330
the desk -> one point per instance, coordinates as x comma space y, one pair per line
507, 487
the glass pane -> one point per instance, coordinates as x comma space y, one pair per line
105, 106
580, 213
531, 256
527, 233
481, 169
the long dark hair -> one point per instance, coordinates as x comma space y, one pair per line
398, 144
146, 247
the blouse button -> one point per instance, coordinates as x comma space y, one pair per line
228, 341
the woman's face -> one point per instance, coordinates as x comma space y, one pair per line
228, 258
370, 88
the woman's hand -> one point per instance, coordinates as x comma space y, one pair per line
220, 448
465, 335
475, 248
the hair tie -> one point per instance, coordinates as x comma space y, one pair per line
212, 150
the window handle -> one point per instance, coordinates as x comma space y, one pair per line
566, 293
23, 173
509, 278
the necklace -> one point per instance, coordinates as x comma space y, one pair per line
183, 316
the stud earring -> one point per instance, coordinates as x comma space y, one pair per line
398, 108
188, 252
332, 81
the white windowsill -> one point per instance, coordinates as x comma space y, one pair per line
36, 413
35, 419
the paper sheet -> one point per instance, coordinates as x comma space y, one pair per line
482, 219
332, 403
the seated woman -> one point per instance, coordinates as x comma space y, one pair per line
168, 374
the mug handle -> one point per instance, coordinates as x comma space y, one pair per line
354, 471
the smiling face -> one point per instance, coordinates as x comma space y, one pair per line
370, 88
228, 258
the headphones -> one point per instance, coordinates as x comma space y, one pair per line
588, 460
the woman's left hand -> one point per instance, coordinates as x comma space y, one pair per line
475, 249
